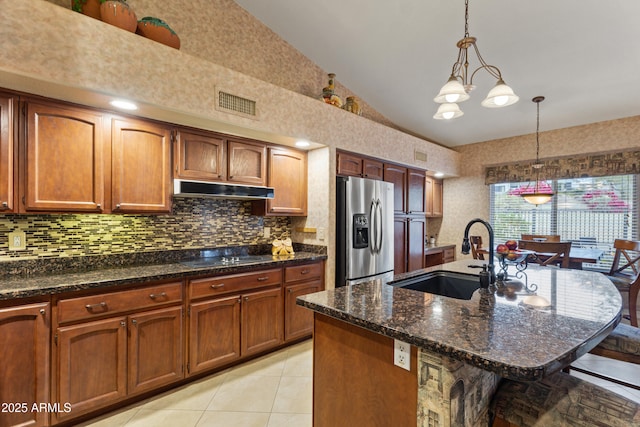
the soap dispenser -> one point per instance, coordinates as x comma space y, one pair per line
485, 277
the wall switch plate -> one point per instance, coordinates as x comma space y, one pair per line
402, 354
320, 233
266, 232
17, 241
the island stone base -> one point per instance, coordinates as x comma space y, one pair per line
453, 393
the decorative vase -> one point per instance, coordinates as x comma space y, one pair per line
328, 94
353, 106
118, 13
158, 30
87, 7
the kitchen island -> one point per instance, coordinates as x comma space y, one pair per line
458, 349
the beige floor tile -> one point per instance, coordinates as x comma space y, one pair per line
299, 364
290, 420
250, 393
194, 396
165, 418
113, 419
233, 419
294, 395
269, 365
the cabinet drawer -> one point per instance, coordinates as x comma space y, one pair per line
234, 283
118, 302
303, 272
449, 255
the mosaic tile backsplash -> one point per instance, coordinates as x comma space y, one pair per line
193, 224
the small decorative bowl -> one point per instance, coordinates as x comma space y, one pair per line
514, 257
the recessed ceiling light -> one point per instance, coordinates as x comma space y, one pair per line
438, 174
302, 143
124, 105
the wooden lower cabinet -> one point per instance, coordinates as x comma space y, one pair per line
262, 324
214, 333
92, 365
24, 371
298, 320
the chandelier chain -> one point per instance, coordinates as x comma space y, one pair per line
466, 18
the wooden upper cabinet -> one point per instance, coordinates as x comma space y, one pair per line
349, 164
6, 154
63, 169
247, 162
398, 176
433, 197
288, 177
141, 166
415, 191
372, 169
200, 156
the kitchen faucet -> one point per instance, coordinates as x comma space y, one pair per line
466, 246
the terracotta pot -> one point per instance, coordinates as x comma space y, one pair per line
87, 7
158, 30
118, 13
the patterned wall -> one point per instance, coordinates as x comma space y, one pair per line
193, 224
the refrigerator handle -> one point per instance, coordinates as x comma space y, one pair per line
379, 226
373, 213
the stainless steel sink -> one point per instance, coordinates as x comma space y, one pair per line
445, 283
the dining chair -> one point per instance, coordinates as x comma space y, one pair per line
477, 250
540, 237
625, 273
548, 253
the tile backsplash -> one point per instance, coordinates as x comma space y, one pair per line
193, 224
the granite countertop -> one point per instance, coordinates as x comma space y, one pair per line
42, 283
428, 248
496, 333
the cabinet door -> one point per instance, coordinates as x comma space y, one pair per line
415, 243
433, 197
24, 371
262, 321
399, 245
6, 154
155, 349
372, 169
64, 159
415, 191
428, 196
141, 167
349, 164
92, 365
214, 333
200, 156
298, 321
247, 162
398, 176
437, 198
288, 176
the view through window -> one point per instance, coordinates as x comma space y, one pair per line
590, 212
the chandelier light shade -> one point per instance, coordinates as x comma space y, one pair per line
460, 82
448, 111
541, 193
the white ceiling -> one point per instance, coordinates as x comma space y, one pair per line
582, 55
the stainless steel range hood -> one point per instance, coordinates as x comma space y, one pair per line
186, 188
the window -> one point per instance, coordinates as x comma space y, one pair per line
590, 212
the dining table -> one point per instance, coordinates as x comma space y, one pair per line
578, 256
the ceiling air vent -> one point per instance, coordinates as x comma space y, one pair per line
229, 102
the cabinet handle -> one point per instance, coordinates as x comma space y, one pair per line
221, 285
262, 279
161, 295
305, 271
92, 306
43, 311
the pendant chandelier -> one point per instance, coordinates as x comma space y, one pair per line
460, 82
541, 193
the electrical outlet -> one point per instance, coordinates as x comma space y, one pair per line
266, 232
402, 354
17, 241
320, 233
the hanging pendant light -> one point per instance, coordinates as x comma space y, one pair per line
541, 193
460, 82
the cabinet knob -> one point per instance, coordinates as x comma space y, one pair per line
239, 300
246, 298
122, 323
98, 206
134, 321
43, 311
5, 205
117, 206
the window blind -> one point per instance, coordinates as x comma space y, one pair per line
590, 212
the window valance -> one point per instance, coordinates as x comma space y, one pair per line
587, 165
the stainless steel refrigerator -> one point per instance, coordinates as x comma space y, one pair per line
364, 230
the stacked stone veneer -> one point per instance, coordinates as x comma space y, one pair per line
193, 224
452, 393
